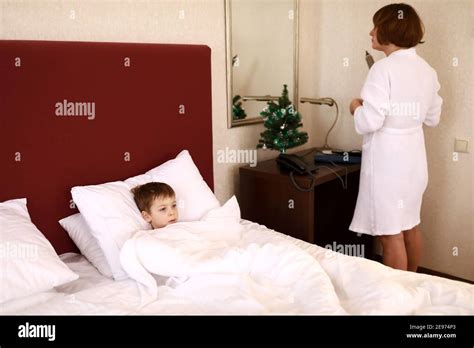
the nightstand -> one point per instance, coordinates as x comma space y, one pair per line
321, 216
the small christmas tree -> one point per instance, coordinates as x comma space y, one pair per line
281, 122
238, 112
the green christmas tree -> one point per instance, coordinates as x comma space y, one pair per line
281, 122
238, 112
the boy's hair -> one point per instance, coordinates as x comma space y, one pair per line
398, 24
144, 195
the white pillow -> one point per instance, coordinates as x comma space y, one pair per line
112, 215
28, 262
80, 233
194, 197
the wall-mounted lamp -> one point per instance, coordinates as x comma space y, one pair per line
324, 101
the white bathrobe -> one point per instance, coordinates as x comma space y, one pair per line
400, 94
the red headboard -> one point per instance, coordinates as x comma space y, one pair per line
127, 108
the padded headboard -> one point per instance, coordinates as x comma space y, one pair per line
81, 113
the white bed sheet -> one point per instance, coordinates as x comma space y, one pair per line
362, 287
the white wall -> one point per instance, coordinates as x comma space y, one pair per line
331, 31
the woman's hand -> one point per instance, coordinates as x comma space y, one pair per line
355, 103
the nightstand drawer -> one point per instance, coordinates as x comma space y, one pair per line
274, 202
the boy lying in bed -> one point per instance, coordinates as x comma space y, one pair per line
157, 202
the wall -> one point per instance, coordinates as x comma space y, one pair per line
331, 33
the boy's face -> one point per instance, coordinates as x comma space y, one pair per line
163, 211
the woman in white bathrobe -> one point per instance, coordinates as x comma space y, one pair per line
399, 95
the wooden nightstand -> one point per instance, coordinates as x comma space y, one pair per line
321, 216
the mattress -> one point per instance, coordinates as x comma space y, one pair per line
354, 286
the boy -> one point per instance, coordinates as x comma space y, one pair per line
157, 203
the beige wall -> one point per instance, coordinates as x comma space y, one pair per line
330, 32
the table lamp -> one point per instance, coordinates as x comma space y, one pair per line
330, 102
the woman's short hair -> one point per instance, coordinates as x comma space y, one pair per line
398, 24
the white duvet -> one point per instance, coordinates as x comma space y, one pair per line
224, 265
212, 262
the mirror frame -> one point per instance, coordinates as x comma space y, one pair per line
228, 56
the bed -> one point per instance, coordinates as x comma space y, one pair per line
362, 287
83, 121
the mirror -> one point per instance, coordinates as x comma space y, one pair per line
261, 56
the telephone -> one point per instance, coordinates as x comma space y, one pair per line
296, 164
